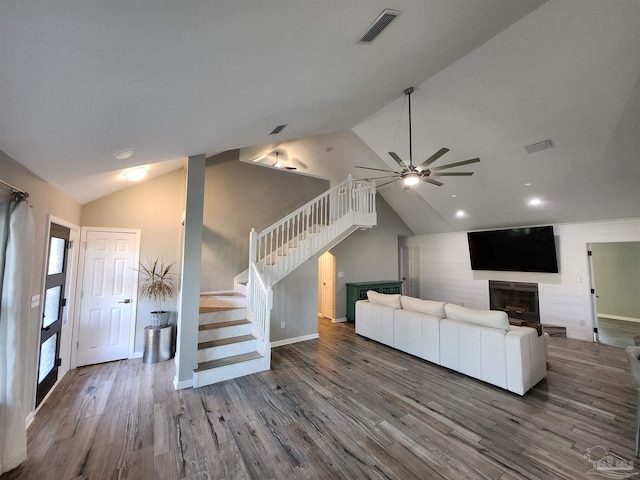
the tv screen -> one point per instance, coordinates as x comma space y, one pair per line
530, 249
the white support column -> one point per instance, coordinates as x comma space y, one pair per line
189, 305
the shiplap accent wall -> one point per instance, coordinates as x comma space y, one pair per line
446, 275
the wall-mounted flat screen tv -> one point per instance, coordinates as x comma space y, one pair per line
531, 249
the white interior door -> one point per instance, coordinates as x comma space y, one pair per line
328, 285
410, 271
107, 315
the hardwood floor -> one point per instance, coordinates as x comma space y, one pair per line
618, 333
338, 407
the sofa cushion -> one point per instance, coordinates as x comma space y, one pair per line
485, 318
389, 300
423, 306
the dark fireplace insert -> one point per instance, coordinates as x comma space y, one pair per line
519, 300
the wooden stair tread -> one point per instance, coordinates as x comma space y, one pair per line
223, 294
220, 309
225, 341
227, 361
228, 323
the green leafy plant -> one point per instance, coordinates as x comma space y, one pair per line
157, 281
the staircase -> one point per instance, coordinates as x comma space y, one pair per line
227, 346
234, 329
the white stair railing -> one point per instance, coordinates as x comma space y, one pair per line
281, 248
288, 243
259, 303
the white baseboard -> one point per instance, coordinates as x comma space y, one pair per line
287, 341
29, 418
182, 385
136, 355
618, 317
339, 320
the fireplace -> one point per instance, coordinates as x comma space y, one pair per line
518, 300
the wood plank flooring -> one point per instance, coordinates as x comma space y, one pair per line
618, 333
338, 407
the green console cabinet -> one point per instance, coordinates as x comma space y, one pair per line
358, 291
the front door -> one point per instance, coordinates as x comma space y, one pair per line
54, 303
108, 291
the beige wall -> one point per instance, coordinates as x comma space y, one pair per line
239, 197
616, 270
45, 200
154, 206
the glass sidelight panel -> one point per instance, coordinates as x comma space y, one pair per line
47, 357
56, 255
51, 305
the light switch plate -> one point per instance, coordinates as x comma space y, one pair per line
35, 301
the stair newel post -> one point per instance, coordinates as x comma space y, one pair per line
350, 196
253, 246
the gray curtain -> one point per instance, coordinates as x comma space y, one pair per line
16, 259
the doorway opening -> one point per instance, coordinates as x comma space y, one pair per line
615, 283
410, 271
327, 286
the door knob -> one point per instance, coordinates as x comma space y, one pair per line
126, 300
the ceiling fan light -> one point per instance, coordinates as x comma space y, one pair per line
411, 179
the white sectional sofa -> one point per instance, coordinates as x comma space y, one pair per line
480, 344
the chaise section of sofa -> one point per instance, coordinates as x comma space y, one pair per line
480, 344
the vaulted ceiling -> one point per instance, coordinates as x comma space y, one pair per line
80, 81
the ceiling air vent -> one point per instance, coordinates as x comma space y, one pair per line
378, 25
278, 129
537, 147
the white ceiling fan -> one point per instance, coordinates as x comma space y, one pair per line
275, 158
412, 174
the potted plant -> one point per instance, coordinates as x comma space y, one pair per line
157, 283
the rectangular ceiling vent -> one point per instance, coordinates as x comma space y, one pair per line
378, 25
278, 129
537, 147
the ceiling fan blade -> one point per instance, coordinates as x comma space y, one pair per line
457, 164
432, 181
452, 174
378, 169
433, 158
377, 178
387, 183
398, 160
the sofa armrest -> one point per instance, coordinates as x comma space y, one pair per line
526, 359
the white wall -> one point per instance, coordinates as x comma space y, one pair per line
446, 275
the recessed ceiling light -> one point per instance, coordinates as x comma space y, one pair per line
460, 213
135, 174
123, 154
528, 184
535, 201
453, 196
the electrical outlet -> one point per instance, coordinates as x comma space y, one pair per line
340, 274
282, 324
